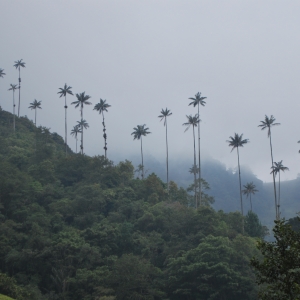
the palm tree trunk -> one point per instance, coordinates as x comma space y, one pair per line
66, 123
200, 196
35, 117
250, 203
276, 208
167, 156
81, 146
279, 197
242, 210
195, 167
76, 144
14, 111
19, 92
142, 159
104, 134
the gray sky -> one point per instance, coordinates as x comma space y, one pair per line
142, 56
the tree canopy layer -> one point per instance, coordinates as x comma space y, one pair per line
80, 227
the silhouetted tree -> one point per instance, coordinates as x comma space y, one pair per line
14, 87
101, 107
164, 114
18, 64
34, 105
138, 133
249, 189
82, 124
76, 129
268, 123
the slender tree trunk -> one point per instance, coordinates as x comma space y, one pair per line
200, 196
104, 134
250, 202
14, 105
76, 143
242, 209
276, 207
195, 169
142, 158
81, 146
35, 117
279, 196
19, 92
66, 123
167, 156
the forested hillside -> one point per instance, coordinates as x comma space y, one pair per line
80, 227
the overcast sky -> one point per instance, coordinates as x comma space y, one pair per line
142, 56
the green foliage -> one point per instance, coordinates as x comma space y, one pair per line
279, 270
80, 227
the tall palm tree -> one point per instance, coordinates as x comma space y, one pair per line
164, 114
82, 124
18, 64
82, 99
101, 107
34, 105
276, 168
249, 189
63, 92
14, 87
236, 142
193, 121
76, 129
138, 132
197, 101
268, 123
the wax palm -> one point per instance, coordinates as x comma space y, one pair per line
138, 133
34, 105
164, 114
76, 129
276, 168
63, 93
267, 124
2, 72
249, 190
82, 124
101, 107
236, 142
193, 121
14, 87
18, 64
82, 99
197, 101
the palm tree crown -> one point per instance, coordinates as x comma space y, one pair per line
2, 72
82, 124
82, 99
164, 114
35, 104
64, 91
198, 100
19, 63
237, 141
13, 87
277, 167
268, 123
192, 121
102, 106
140, 131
